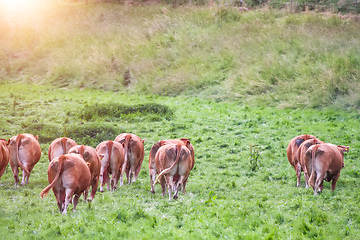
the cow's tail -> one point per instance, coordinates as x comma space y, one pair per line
167, 170
18, 142
313, 173
82, 150
63, 145
46, 190
126, 151
109, 146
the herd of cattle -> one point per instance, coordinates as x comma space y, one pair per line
74, 168
318, 160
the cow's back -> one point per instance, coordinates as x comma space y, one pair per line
90, 156
59, 147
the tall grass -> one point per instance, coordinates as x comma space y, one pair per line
258, 57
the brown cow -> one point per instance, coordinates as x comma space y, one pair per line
92, 158
292, 153
25, 152
134, 155
324, 161
300, 155
112, 159
68, 176
4, 156
155, 148
60, 146
173, 162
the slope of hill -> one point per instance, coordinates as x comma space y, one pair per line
258, 57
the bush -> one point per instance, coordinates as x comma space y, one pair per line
139, 112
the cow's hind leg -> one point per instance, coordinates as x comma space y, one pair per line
184, 186
94, 185
333, 183
179, 184
128, 174
68, 197
318, 183
16, 175
114, 180
306, 180
25, 178
75, 201
163, 186
132, 177
120, 178
169, 183
137, 170
152, 180
298, 174
59, 199
86, 191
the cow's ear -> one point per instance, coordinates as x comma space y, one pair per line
143, 141
86, 155
122, 143
343, 149
347, 149
36, 137
8, 142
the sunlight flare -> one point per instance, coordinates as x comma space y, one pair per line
16, 6
22, 10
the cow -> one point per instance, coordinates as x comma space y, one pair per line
25, 152
155, 148
134, 155
92, 158
300, 156
59, 147
324, 161
173, 162
4, 156
112, 159
68, 177
292, 153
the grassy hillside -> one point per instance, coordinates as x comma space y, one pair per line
262, 57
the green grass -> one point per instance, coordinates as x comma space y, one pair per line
225, 197
261, 57
233, 82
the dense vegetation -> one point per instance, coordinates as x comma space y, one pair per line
239, 85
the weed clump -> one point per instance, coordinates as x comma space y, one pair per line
254, 157
93, 133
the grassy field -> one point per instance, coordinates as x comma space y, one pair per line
227, 197
239, 85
